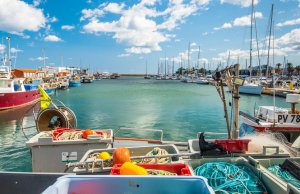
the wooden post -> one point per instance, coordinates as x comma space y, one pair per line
225, 110
236, 98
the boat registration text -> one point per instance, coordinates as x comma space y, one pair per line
288, 118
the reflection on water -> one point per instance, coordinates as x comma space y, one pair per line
180, 110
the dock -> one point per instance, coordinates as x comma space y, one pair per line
279, 92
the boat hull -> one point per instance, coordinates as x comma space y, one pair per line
50, 91
291, 131
74, 83
254, 90
18, 99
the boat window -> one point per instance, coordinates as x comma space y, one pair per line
5, 83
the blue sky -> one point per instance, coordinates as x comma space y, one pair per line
120, 36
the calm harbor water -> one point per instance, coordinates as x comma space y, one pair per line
180, 109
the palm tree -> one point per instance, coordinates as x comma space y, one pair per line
290, 68
278, 65
298, 69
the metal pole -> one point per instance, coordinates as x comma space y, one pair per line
8, 44
236, 98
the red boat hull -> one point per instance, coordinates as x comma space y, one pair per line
18, 99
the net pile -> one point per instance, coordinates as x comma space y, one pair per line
230, 178
284, 175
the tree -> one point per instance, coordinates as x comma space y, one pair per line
298, 69
290, 68
278, 65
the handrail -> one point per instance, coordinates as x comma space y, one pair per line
139, 130
210, 133
100, 161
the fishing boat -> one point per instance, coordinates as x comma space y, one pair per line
275, 119
87, 79
13, 93
74, 81
202, 80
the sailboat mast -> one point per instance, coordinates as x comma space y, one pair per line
270, 34
251, 26
189, 56
146, 69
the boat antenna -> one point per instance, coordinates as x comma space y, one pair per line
15, 61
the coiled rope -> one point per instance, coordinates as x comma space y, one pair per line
229, 178
284, 175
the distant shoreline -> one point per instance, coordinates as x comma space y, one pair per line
125, 74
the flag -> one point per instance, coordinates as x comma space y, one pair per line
45, 99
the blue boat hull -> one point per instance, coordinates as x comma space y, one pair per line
51, 91
74, 83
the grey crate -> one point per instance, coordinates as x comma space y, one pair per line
52, 156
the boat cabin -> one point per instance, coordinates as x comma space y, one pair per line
11, 85
270, 113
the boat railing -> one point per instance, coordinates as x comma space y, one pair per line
211, 134
100, 162
138, 130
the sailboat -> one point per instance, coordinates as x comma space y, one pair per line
249, 87
147, 76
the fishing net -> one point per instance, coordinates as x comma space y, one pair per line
284, 175
259, 140
223, 176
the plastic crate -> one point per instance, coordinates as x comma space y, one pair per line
59, 131
49, 155
179, 169
278, 184
129, 185
233, 145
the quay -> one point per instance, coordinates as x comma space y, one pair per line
279, 92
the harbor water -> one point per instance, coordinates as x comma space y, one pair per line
180, 109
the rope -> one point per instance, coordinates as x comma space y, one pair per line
284, 175
230, 178
156, 152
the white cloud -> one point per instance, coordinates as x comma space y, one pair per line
52, 38
246, 20
39, 59
136, 26
124, 55
91, 13
138, 50
225, 25
241, 21
67, 27
289, 23
53, 19
2, 48
36, 3
292, 38
114, 8
17, 16
242, 3
193, 44
15, 50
